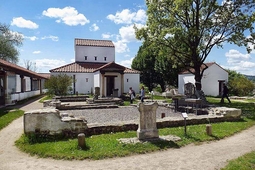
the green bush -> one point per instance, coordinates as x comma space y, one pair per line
59, 84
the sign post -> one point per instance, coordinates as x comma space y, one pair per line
184, 115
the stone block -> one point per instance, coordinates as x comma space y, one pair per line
49, 120
147, 127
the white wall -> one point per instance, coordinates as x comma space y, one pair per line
91, 52
97, 79
28, 83
18, 83
210, 80
81, 84
133, 81
183, 79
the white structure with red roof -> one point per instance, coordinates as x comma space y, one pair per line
212, 81
95, 66
18, 83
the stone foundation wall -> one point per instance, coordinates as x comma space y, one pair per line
48, 121
164, 123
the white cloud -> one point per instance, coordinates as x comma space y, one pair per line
127, 33
121, 47
128, 17
68, 15
236, 54
140, 16
36, 52
33, 38
126, 63
53, 38
22, 23
106, 35
49, 63
94, 27
239, 62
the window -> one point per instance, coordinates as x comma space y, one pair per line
87, 79
95, 58
86, 57
104, 58
127, 80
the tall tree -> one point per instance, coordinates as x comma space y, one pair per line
9, 41
155, 68
187, 30
145, 62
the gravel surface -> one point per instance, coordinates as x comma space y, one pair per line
121, 114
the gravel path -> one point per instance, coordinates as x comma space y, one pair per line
209, 156
121, 114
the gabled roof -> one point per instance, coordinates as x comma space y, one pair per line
91, 42
7, 66
91, 67
201, 68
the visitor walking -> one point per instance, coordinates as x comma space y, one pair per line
131, 95
142, 94
225, 94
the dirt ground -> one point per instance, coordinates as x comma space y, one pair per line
209, 156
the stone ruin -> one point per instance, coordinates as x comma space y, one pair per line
147, 127
49, 122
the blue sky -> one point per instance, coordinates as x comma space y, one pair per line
49, 28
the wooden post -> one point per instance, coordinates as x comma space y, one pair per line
81, 140
209, 129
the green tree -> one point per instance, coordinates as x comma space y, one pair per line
239, 85
187, 30
145, 62
155, 68
9, 41
58, 84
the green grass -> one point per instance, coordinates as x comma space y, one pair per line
244, 162
7, 116
107, 145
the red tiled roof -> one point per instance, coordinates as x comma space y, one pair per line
88, 67
91, 42
7, 66
201, 68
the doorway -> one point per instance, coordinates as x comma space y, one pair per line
109, 85
2, 94
221, 82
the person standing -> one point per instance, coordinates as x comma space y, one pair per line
131, 95
142, 94
225, 94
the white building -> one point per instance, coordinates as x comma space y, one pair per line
18, 83
95, 66
212, 81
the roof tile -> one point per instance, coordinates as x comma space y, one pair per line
88, 67
91, 42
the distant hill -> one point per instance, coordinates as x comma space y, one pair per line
252, 78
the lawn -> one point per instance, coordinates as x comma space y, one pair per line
107, 145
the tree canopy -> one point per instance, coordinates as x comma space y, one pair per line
9, 41
239, 85
187, 30
155, 68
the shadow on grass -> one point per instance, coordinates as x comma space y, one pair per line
163, 144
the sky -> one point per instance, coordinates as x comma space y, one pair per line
49, 28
